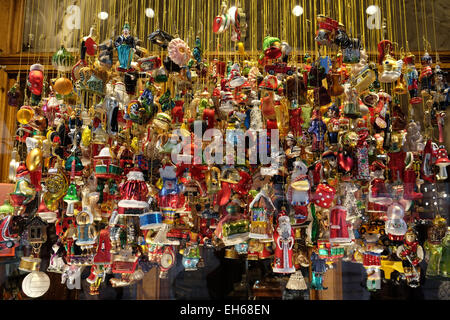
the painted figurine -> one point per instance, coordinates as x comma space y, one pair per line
284, 241
412, 79
317, 129
411, 253
126, 46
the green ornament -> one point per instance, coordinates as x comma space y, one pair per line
6, 208
268, 41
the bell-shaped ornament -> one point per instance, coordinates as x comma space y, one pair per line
71, 198
73, 163
400, 87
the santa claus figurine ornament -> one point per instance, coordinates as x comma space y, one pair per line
284, 241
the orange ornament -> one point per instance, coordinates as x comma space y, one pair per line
63, 86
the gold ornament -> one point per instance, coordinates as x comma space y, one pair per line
86, 136
34, 159
25, 114
62, 86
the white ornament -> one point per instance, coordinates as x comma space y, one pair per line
36, 284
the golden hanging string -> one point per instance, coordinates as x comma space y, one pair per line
275, 19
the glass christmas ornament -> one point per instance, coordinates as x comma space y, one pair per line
63, 60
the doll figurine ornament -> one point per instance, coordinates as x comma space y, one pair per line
317, 129
126, 46
318, 268
426, 74
23, 192
298, 191
284, 241
339, 231
412, 78
411, 252
333, 125
351, 102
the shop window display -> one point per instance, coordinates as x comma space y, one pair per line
234, 158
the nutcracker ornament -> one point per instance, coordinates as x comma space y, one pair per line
284, 241
441, 88
333, 125
412, 78
169, 196
317, 129
426, 73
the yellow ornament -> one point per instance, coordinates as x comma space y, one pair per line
51, 203
34, 159
86, 137
57, 185
240, 48
49, 134
24, 115
135, 144
159, 184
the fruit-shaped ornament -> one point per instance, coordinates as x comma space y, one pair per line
62, 86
